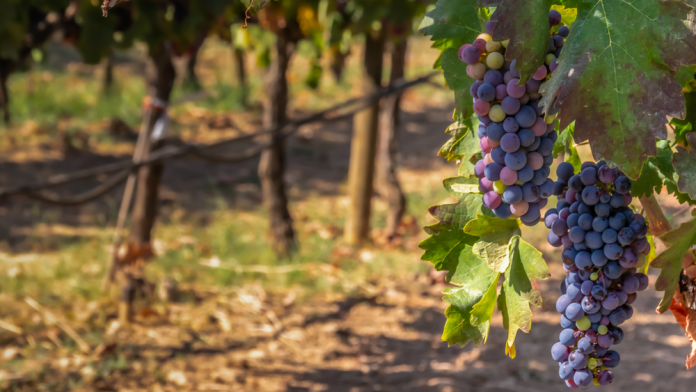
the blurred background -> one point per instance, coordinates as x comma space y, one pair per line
256, 265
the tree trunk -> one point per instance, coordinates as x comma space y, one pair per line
272, 164
338, 63
240, 71
109, 72
145, 206
4, 97
363, 146
388, 153
191, 76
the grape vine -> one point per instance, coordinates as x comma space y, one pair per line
608, 76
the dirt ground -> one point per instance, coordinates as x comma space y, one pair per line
386, 341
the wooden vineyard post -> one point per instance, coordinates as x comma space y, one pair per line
363, 146
241, 75
145, 205
4, 97
272, 163
388, 146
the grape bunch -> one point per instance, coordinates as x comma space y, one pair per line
602, 238
515, 139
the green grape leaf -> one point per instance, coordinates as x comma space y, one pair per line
615, 76
681, 197
458, 328
495, 234
255, 6
568, 15
654, 172
455, 71
483, 311
565, 144
460, 213
527, 28
466, 169
457, 80
452, 19
464, 143
684, 162
444, 246
520, 288
474, 279
650, 257
459, 187
670, 260
682, 127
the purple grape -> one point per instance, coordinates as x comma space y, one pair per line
584, 346
525, 174
629, 259
630, 284
626, 236
516, 160
576, 234
491, 200
574, 311
563, 31
611, 302
607, 175
512, 195
611, 359
622, 184
567, 337
643, 281
577, 360
511, 105
605, 377
533, 85
558, 41
598, 258
553, 239
491, 25
575, 184
498, 155
613, 252
470, 55
565, 371
510, 125
526, 116
584, 261
586, 287
609, 236
510, 143
502, 211
590, 305
486, 92
605, 341
526, 137
573, 292
559, 352
588, 176
594, 240
602, 210
473, 90
599, 292
493, 77
590, 195
495, 131
564, 171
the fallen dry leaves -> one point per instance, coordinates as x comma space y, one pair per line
687, 320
